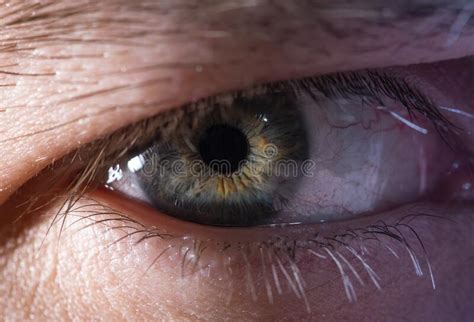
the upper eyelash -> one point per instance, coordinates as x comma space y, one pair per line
371, 86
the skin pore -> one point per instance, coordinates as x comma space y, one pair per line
72, 72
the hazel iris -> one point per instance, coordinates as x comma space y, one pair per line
219, 163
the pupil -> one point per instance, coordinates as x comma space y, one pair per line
223, 147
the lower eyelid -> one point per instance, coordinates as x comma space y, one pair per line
179, 229
156, 257
160, 250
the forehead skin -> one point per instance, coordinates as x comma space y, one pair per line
73, 71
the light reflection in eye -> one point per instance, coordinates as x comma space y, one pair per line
314, 150
135, 164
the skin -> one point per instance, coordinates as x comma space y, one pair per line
61, 93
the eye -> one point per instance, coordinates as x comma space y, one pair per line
305, 151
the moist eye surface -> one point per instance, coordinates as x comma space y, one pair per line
306, 151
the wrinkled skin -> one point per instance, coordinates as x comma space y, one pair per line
67, 93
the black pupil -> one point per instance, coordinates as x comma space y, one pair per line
223, 147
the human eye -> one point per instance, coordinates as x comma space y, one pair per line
304, 151
346, 193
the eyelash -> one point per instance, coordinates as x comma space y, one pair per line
370, 86
281, 252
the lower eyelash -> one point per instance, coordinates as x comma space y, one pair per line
279, 256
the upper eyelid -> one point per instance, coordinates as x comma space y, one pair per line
25, 14
399, 11
329, 21
315, 62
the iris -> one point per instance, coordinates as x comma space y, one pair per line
219, 163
